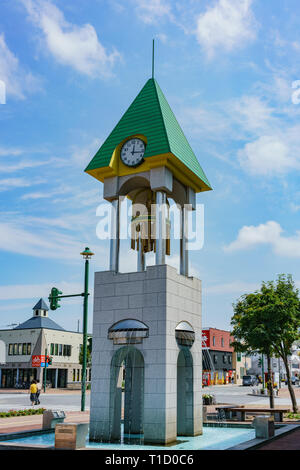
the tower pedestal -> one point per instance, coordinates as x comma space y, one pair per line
163, 375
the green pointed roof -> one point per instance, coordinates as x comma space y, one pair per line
150, 115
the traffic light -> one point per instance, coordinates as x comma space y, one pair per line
53, 298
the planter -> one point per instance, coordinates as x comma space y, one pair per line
207, 401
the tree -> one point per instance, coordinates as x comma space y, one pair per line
250, 334
283, 310
268, 321
89, 353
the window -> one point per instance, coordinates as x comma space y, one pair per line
52, 349
56, 349
28, 348
78, 375
19, 349
10, 349
74, 375
67, 350
24, 348
60, 349
224, 359
229, 359
214, 340
215, 358
36, 312
44, 313
222, 342
15, 349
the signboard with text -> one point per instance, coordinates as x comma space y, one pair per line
38, 361
205, 339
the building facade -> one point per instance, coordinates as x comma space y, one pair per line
27, 345
242, 365
217, 357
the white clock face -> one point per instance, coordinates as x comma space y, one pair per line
132, 152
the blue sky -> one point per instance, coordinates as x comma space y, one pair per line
229, 70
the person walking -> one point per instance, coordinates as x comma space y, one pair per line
32, 391
38, 392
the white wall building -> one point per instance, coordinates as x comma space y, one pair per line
26, 344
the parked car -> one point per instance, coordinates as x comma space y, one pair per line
250, 380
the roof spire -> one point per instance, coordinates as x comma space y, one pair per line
153, 58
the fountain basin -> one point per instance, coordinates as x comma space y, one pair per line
213, 438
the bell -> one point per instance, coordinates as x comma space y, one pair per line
143, 223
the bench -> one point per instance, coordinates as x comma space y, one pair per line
240, 412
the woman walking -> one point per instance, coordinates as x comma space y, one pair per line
32, 391
38, 392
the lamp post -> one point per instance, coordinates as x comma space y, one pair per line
87, 254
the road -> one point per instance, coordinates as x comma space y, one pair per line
239, 395
70, 401
66, 401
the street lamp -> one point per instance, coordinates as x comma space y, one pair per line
87, 254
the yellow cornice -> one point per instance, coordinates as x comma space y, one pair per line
169, 160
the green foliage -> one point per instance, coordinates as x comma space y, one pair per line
31, 411
292, 415
268, 320
89, 353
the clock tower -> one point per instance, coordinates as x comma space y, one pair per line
147, 324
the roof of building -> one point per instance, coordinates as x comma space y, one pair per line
39, 322
41, 305
150, 115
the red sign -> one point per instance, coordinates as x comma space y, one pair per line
205, 338
36, 361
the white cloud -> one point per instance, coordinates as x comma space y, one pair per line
227, 25
37, 242
269, 233
235, 287
151, 11
17, 81
70, 44
81, 156
36, 291
12, 183
267, 155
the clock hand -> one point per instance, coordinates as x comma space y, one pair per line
133, 150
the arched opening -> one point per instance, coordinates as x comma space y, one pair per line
127, 373
185, 392
185, 337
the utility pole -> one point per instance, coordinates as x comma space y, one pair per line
56, 295
45, 370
